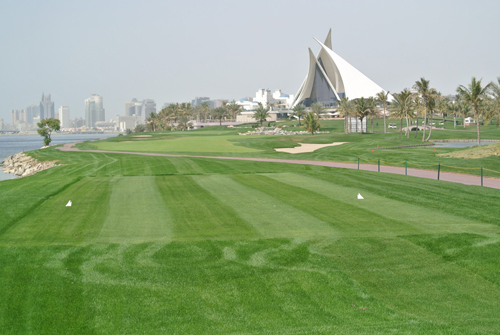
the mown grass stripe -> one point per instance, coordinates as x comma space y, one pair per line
197, 214
136, 212
418, 220
344, 217
270, 216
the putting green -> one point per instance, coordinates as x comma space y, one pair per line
199, 144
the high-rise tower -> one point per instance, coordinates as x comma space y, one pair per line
94, 110
46, 107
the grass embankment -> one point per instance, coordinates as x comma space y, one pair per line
224, 141
185, 245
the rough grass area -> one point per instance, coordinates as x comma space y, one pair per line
476, 152
198, 246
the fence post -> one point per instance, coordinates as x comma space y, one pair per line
358, 163
406, 168
481, 176
439, 169
379, 165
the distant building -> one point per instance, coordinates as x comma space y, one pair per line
330, 78
77, 123
127, 122
94, 110
46, 107
31, 112
140, 109
64, 117
278, 100
16, 117
198, 100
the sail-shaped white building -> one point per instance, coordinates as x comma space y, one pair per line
330, 78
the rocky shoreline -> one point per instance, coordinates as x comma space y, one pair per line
23, 165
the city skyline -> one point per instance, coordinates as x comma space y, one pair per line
197, 55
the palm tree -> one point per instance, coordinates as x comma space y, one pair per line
233, 109
346, 110
401, 106
464, 110
311, 122
382, 99
363, 108
151, 121
317, 108
205, 110
432, 103
373, 110
299, 111
417, 107
423, 89
261, 114
220, 113
495, 102
475, 95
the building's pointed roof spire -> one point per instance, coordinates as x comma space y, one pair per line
328, 40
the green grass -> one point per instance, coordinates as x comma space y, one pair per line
202, 246
225, 142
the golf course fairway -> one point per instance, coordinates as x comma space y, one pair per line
178, 245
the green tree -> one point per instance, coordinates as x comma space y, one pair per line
205, 110
233, 109
152, 121
46, 127
317, 108
346, 110
299, 111
423, 89
139, 128
363, 109
261, 114
494, 110
219, 113
311, 122
382, 98
475, 95
401, 106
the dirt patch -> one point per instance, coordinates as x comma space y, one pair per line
307, 147
476, 152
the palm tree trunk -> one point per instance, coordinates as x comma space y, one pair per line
416, 130
425, 122
372, 125
454, 121
430, 129
385, 126
407, 127
478, 130
400, 126
361, 130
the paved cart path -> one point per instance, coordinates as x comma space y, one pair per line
460, 178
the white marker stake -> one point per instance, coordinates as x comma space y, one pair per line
360, 197
68, 204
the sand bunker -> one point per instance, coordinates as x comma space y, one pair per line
307, 147
142, 136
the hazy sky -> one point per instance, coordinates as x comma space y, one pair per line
172, 51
